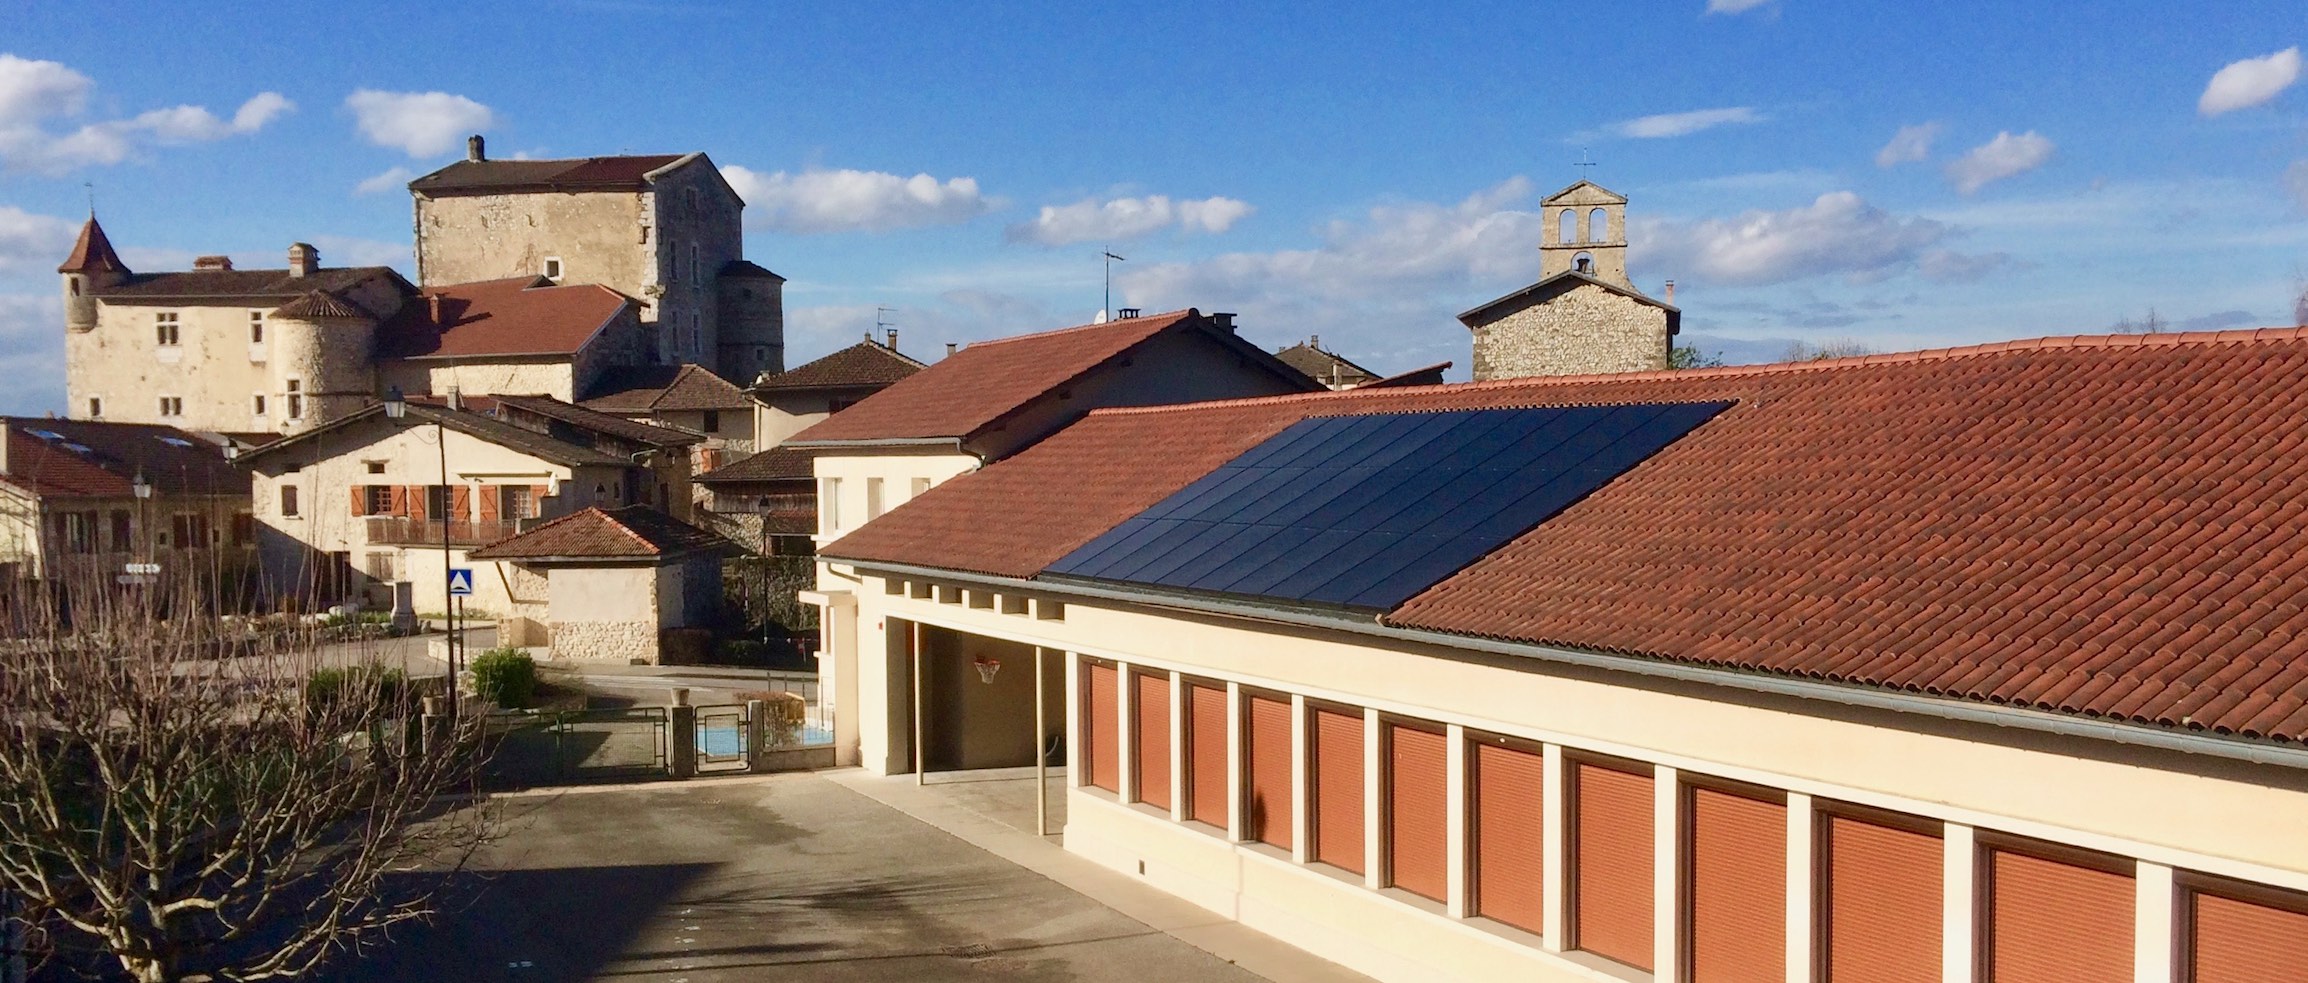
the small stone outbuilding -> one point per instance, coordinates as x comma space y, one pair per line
1584, 315
618, 582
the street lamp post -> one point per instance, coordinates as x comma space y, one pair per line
142, 488
397, 407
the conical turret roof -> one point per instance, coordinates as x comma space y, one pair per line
93, 253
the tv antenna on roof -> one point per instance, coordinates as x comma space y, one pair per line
1111, 259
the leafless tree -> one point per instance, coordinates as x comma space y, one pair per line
2153, 323
177, 795
1806, 351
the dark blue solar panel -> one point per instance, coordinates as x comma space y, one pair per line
1367, 511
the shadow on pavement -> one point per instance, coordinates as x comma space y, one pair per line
523, 925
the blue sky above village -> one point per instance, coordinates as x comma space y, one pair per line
1903, 175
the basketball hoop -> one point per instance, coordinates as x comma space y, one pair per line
987, 668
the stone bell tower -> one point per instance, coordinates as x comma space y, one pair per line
1586, 232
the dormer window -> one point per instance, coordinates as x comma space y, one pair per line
553, 268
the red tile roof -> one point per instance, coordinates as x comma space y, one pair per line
95, 459
774, 464
2100, 525
505, 176
517, 316
653, 388
632, 532
92, 252
867, 364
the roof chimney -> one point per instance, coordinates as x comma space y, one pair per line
456, 399
1670, 291
950, 347
893, 342
212, 262
435, 300
1314, 341
303, 259
476, 149
1128, 313
1223, 320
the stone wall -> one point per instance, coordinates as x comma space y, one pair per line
600, 237
216, 370
606, 614
620, 642
1584, 329
697, 219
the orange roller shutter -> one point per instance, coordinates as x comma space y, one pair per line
1206, 754
1101, 728
1338, 788
1612, 853
1882, 914
2050, 921
1151, 743
1266, 802
1418, 811
1509, 826
2238, 941
1738, 897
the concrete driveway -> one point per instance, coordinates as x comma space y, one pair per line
787, 877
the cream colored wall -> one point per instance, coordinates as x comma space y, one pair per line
897, 469
151, 523
19, 531
426, 377
597, 235
213, 369
2189, 813
605, 614
773, 424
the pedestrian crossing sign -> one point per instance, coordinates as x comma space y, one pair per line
460, 581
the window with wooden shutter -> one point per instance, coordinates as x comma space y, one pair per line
1101, 728
360, 499
1612, 853
1418, 811
1337, 792
1151, 742
1206, 753
1737, 905
2246, 935
2057, 917
1508, 817
1880, 909
1266, 765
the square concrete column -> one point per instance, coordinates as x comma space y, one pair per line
2155, 932
1234, 804
1073, 720
1800, 855
681, 740
1301, 815
1555, 894
1455, 821
1667, 875
1374, 752
1178, 712
1959, 893
1126, 742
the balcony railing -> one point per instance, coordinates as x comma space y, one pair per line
397, 530
804, 503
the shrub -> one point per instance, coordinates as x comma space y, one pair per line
505, 676
325, 685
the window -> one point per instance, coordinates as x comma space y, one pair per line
838, 405
288, 501
1151, 739
437, 500
519, 502
121, 531
243, 529
1880, 906
694, 273
171, 406
1266, 767
165, 327
1598, 226
1735, 904
188, 530
1611, 850
1101, 728
2238, 933
79, 531
873, 499
921, 485
712, 421
256, 327
296, 400
1567, 226
1335, 756
95, 407
375, 467
377, 499
256, 403
829, 506
1206, 753
1509, 783
553, 268
2056, 914
1417, 810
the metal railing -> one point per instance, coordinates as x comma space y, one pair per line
578, 745
401, 530
763, 504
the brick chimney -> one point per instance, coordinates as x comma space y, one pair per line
303, 259
476, 149
1670, 298
212, 263
893, 342
951, 347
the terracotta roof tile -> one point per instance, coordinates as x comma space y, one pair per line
2095, 527
236, 285
318, 304
1324, 366
632, 532
862, 365
92, 252
774, 464
615, 426
496, 318
504, 176
653, 388
95, 459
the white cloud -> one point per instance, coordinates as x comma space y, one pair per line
420, 124
33, 242
2250, 82
393, 179
2005, 156
34, 92
1839, 233
1910, 144
1682, 124
853, 201
1733, 6
1091, 220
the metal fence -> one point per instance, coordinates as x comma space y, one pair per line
578, 745
724, 738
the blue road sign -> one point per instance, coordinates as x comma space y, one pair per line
460, 581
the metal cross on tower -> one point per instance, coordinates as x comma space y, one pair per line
1585, 160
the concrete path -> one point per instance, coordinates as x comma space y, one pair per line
784, 877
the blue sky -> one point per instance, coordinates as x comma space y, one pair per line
1901, 175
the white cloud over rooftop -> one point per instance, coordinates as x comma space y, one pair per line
2249, 82
419, 124
854, 201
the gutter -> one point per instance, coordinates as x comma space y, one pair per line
955, 442
2247, 750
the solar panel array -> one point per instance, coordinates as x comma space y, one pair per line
1367, 511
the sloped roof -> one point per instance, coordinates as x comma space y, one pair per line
2099, 525
615, 426
984, 384
319, 304
576, 174
236, 285
862, 365
472, 424
499, 318
631, 532
655, 388
1430, 375
1483, 313
775, 464
95, 459
92, 252
1319, 364
746, 269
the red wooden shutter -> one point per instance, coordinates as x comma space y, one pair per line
2239, 941
1206, 754
413, 499
1101, 728
1337, 792
2051, 921
1152, 744
1612, 852
360, 500
460, 502
537, 495
491, 496
1738, 898
1266, 805
1881, 916
1509, 813
1418, 811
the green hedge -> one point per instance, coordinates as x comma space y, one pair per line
505, 676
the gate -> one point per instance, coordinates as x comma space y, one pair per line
722, 738
578, 745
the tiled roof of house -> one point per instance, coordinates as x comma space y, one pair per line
867, 364
775, 464
2100, 525
94, 459
498, 318
234, 285
318, 304
1489, 311
579, 174
615, 426
1431, 375
654, 388
466, 421
92, 252
631, 532
1324, 366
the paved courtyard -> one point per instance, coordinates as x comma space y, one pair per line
789, 877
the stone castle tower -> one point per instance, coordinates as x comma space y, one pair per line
92, 267
1583, 316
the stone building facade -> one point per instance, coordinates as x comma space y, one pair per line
1584, 315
